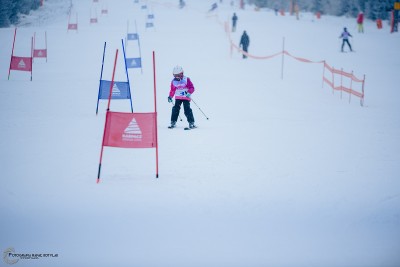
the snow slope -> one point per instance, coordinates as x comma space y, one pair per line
284, 173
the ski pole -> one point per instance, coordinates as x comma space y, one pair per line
199, 108
178, 114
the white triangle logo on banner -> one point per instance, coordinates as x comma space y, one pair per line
115, 90
22, 64
132, 133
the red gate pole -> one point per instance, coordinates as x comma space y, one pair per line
45, 40
31, 58
34, 42
107, 115
155, 110
12, 53
283, 56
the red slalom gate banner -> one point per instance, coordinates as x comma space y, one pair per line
130, 130
40, 53
20, 63
72, 26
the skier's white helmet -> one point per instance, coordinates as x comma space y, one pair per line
177, 70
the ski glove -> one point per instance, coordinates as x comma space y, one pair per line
169, 99
188, 95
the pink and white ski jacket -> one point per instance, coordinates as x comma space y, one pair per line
180, 88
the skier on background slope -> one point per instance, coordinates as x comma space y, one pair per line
345, 36
182, 88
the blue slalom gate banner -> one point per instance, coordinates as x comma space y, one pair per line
132, 36
119, 90
132, 63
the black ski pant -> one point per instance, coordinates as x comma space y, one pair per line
245, 48
186, 107
348, 43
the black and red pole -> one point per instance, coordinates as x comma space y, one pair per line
107, 116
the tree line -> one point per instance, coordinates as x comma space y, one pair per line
10, 10
373, 9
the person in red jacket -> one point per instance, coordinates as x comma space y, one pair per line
360, 21
182, 88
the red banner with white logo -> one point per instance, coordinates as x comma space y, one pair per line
130, 130
40, 53
21, 63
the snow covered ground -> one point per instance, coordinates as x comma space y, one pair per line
284, 173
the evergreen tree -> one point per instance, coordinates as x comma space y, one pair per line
6, 8
10, 10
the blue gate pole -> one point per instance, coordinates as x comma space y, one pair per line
140, 52
127, 76
101, 76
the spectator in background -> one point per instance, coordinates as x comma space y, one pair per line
244, 43
234, 20
360, 21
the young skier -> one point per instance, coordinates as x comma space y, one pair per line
345, 36
182, 88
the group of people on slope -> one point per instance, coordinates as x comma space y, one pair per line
245, 40
182, 87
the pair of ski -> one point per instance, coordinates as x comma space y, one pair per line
186, 128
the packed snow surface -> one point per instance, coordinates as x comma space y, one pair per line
284, 173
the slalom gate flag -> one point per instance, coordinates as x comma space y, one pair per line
132, 63
40, 53
133, 36
130, 130
73, 26
21, 63
120, 90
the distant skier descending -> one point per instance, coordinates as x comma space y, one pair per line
182, 88
213, 7
345, 36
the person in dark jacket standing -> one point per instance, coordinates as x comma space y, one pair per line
234, 21
244, 43
345, 36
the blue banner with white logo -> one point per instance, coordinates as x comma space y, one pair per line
132, 63
120, 90
133, 36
